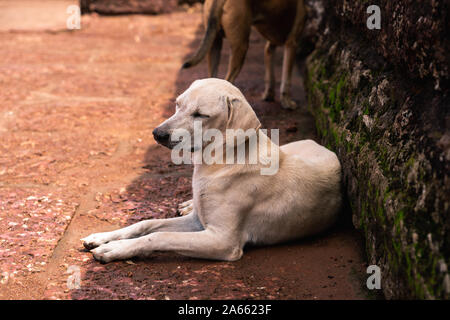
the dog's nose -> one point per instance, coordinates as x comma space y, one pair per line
161, 135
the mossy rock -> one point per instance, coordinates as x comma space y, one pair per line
390, 132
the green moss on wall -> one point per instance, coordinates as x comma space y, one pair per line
359, 114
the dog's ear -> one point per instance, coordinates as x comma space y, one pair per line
240, 114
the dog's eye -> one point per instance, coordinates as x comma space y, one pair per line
197, 114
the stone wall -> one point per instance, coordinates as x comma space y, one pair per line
381, 102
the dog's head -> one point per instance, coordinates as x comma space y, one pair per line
212, 103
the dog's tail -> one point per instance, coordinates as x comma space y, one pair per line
212, 29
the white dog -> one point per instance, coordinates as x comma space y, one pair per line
233, 204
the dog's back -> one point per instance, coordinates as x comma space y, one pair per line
307, 192
312, 152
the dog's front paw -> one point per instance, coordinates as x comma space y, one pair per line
288, 103
102, 257
116, 250
186, 207
96, 239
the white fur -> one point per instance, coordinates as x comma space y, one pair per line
234, 204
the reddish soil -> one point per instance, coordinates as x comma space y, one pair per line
77, 156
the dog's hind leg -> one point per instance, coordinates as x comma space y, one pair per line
288, 65
236, 26
269, 79
204, 244
289, 56
214, 56
237, 58
180, 224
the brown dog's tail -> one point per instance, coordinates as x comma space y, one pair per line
212, 29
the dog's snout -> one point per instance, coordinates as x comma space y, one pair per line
161, 135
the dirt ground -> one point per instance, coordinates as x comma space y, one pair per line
77, 156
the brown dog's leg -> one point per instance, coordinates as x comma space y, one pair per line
238, 51
236, 23
288, 64
214, 56
269, 79
289, 56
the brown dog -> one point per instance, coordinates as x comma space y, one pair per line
279, 21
